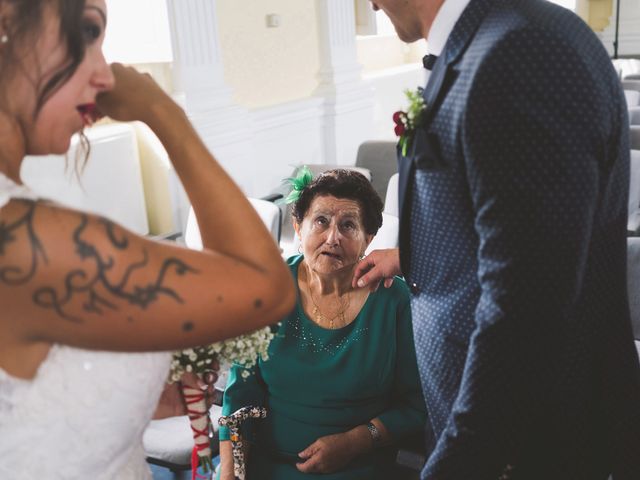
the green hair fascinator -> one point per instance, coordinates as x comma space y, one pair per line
298, 184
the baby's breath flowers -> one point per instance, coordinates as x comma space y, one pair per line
243, 350
407, 122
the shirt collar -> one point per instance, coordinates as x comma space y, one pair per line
443, 24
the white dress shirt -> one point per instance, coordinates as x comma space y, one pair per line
443, 24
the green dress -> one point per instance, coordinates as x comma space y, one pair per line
319, 382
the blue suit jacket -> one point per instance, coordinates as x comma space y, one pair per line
514, 207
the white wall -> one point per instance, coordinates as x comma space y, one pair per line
389, 86
269, 65
272, 74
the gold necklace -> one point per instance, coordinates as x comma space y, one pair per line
319, 316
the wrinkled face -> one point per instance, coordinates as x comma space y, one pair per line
66, 110
332, 234
412, 19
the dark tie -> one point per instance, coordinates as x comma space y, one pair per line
428, 61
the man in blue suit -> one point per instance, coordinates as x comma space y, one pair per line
513, 196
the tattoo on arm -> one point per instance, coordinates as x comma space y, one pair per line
93, 285
13, 274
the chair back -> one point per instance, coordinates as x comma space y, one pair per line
633, 283
268, 212
391, 199
634, 137
634, 116
380, 158
631, 85
632, 97
388, 234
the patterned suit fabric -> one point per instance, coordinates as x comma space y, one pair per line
513, 204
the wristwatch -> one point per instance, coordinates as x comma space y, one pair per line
375, 434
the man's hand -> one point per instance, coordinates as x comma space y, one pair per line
377, 266
329, 454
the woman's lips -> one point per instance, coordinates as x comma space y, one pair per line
89, 113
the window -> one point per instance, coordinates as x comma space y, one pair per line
138, 32
570, 4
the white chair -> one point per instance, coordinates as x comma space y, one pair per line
267, 211
632, 97
633, 223
633, 285
388, 234
628, 68
391, 198
169, 442
110, 184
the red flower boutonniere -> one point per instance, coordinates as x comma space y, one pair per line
407, 122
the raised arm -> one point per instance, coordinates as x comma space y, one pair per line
81, 280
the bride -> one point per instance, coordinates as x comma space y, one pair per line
80, 294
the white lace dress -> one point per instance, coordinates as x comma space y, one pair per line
83, 415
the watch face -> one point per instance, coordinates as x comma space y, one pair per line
375, 433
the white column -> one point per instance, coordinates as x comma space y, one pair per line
628, 31
198, 77
348, 110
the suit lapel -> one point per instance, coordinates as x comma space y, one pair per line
434, 92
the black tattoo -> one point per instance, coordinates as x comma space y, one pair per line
80, 282
187, 326
15, 275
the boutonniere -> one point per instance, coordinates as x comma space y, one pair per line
407, 122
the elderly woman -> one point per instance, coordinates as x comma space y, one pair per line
341, 382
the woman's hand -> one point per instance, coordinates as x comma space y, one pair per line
132, 96
331, 453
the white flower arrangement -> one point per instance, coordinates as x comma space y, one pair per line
243, 350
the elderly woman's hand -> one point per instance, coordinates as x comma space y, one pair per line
332, 453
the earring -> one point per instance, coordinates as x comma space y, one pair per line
299, 248
4, 38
